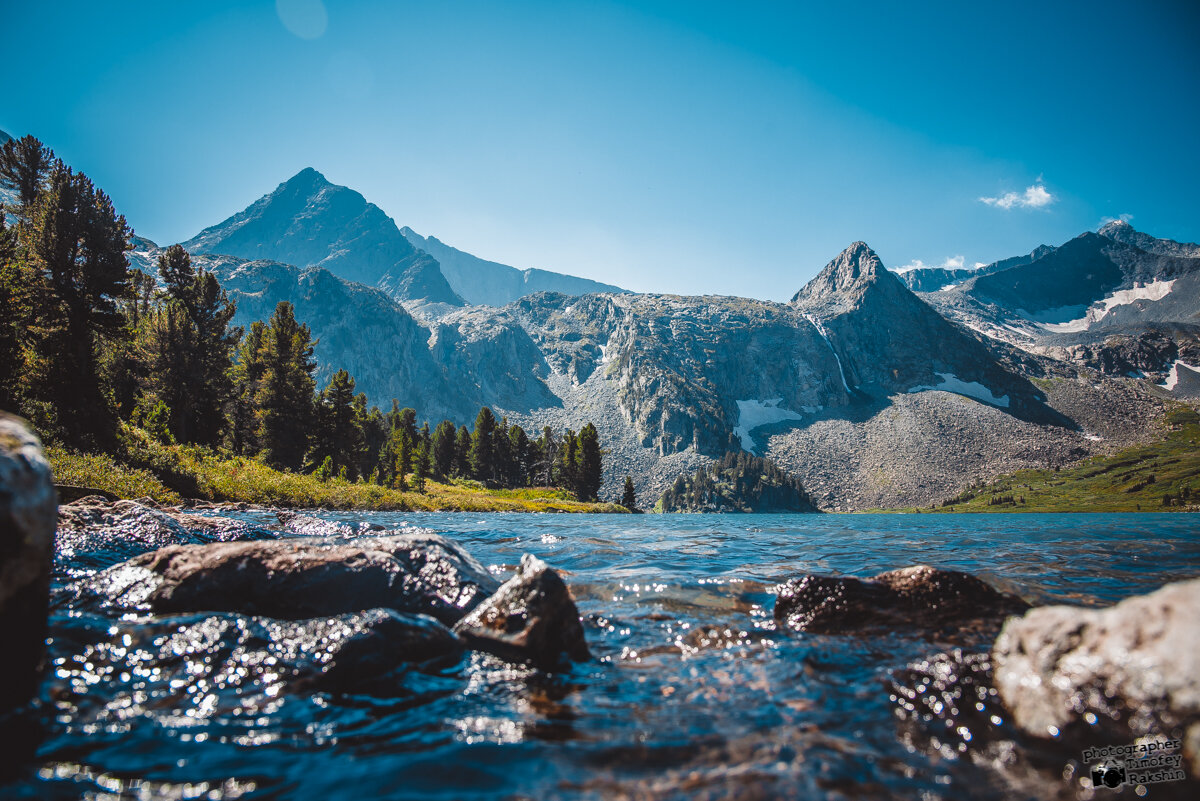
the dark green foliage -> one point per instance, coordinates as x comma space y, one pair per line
443, 450
589, 472
248, 371
337, 435
482, 456
520, 456
187, 349
25, 164
738, 482
74, 245
628, 499
462, 453
285, 395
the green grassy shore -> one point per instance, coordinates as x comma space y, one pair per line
1161, 476
170, 473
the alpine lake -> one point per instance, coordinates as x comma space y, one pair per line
691, 692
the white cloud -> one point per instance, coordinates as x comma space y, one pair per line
1120, 217
952, 263
1034, 197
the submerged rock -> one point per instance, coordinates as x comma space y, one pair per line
530, 618
303, 578
918, 596
93, 532
1106, 675
27, 513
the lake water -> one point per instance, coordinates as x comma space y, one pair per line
692, 692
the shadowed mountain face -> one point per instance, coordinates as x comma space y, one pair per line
310, 222
492, 284
934, 279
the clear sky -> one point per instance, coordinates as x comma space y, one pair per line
689, 147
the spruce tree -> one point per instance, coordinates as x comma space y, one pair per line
337, 435
285, 395
422, 459
75, 242
519, 455
443, 450
248, 371
482, 456
462, 452
568, 463
590, 475
25, 164
628, 499
16, 285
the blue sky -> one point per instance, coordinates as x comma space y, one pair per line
687, 147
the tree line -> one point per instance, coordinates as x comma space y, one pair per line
87, 342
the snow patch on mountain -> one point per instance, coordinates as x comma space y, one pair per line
755, 413
971, 389
1173, 375
1153, 291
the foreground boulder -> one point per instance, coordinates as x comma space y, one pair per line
95, 533
27, 513
919, 596
1103, 676
530, 618
303, 578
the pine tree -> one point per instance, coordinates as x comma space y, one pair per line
443, 450
628, 499
188, 347
462, 453
501, 448
422, 461
546, 460
519, 449
482, 456
590, 475
568, 463
375, 431
25, 164
337, 435
285, 395
16, 306
76, 243
248, 372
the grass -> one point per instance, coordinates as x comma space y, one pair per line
1156, 477
169, 473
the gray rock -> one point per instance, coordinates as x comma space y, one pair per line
530, 618
1129, 670
918, 596
27, 514
303, 578
94, 533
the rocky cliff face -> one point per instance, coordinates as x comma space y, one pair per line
309, 222
489, 283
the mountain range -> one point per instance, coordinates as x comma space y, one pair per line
874, 394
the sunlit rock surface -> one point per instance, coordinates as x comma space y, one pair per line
531, 617
1129, 670
27, 506
303, 578
918, 596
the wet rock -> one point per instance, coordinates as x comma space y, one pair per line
918, 596
27, 513
1105, 675
95, 533
303, 578
530, 618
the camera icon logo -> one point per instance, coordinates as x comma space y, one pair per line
1109, 774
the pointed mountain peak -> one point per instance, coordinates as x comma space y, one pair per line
307, 181
853, 272
1115, 228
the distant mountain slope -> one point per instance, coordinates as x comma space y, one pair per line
309, 222
492, 284
934, 279
1121, 231
4, 137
